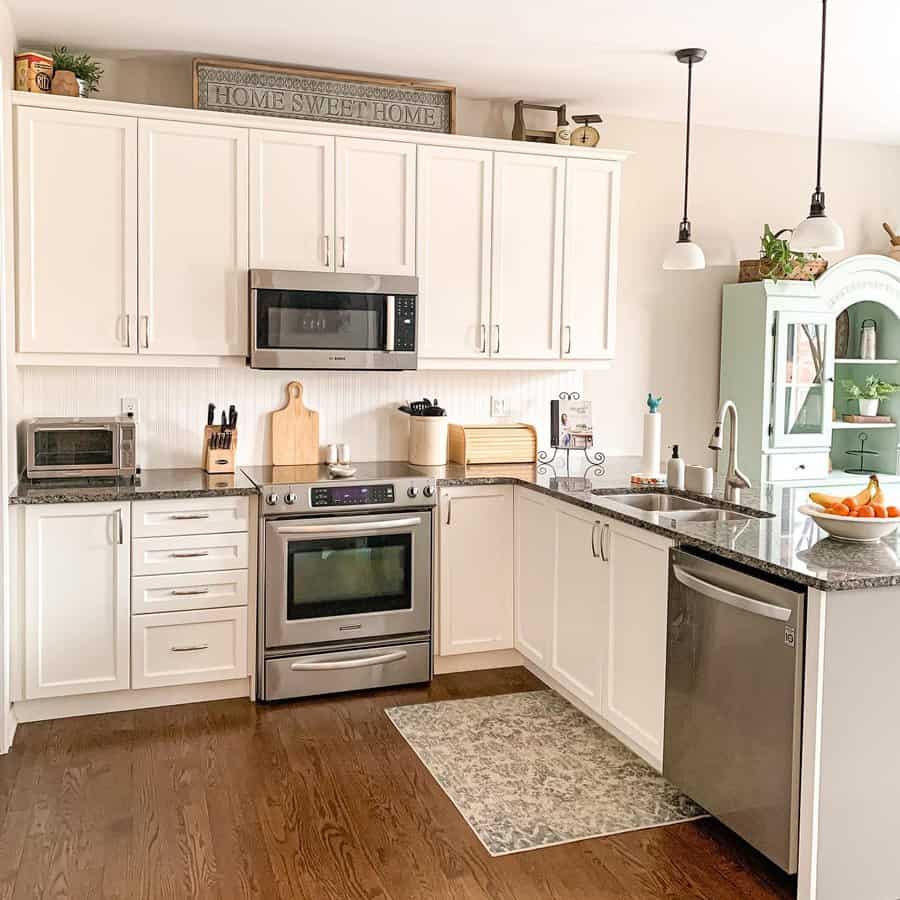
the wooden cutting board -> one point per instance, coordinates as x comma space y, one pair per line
295, 431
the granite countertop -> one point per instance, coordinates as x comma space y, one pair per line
785, 543
155, 484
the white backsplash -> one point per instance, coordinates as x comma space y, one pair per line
356, 408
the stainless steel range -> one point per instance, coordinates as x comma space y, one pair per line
345, 578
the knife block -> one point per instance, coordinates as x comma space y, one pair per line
218, 461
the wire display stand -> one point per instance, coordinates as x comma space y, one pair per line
560, 458
862, 453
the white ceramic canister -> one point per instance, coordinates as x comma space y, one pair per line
428, 440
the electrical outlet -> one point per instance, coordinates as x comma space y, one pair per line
500, 407
130, 406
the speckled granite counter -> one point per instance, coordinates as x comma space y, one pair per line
787, 543
155, 484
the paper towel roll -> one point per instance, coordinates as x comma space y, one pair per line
652, 444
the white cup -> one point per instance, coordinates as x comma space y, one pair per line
344, 454
698, 479
331, 454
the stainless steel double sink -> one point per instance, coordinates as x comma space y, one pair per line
672, 506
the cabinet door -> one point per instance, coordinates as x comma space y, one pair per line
291, 201
77, 232
454, 251
535, 576
527, 256
804, 379
589, 259
76, 598
375, 216
579, 606
192, 238
476, 569
636, 651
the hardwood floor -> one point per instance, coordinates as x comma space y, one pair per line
319, 799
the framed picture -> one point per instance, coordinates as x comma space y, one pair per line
571, 424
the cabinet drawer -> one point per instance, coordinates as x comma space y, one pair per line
188, 647
797, 466
191, 553
169, 518
200, 590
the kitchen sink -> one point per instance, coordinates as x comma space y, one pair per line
708, 514
652, 502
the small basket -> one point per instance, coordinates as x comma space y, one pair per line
760, 269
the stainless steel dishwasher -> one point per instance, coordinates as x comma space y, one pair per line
734, 681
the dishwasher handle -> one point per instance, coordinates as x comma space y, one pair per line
723, 595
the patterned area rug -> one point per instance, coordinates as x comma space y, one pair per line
528, 770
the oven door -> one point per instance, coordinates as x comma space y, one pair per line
77, 450
347, 577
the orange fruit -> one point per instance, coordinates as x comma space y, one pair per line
893, 511
880, 511
866, 512
838, 509
850, 502
854, 513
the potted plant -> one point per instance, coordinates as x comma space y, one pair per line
78, 75
868, 395
777, 260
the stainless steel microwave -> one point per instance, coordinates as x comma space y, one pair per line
332, 320
80, 448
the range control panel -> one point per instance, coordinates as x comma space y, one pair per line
351, 495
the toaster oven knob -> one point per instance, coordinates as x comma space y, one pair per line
290, 499
428, 491
272, 499
412, 491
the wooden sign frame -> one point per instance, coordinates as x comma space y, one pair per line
321, 96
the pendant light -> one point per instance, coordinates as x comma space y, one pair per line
818, 232
685, 254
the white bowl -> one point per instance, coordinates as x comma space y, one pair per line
846, 528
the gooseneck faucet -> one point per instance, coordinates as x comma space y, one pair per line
735, 479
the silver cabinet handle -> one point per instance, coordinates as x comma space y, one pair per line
182, 516
449, 509
604, 542
189, 593
483, 338
190, 554
121, 539
343, 528
714, 592
569, 341
349, 663
594, 552
390, 305
327, 250
146, 321
343, 262
128, 330
187, 648
497, 348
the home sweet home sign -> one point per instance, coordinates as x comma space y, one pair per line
226, 86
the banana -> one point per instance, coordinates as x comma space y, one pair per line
878, 496
865, 495
825, 500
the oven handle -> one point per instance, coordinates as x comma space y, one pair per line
345, 527
349, 663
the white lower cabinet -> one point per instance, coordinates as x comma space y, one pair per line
535, 577
636, 647
188, 647
76, 595
476, 569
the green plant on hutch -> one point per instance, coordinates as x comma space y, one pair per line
782, 261
873, 388
86, 69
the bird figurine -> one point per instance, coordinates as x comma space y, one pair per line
894, 252
653, 403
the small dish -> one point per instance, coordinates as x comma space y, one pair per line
341, 471
846, 528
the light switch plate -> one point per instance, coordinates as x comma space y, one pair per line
130, 405
500, 407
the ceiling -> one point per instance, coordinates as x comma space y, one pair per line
761, 72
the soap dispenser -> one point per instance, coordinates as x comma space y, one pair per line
675, 470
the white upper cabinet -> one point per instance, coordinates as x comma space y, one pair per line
527, 256
193, 239
77, 232
291, 201
375, 212
76, 586
454, 251
589, 259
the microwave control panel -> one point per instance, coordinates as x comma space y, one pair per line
405, 324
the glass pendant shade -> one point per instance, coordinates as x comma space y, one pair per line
684, 254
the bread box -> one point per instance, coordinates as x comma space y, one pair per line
501, 443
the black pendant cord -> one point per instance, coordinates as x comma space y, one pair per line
687, 142
821, 101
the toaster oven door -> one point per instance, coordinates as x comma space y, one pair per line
80, 450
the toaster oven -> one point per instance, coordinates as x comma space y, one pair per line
73, 448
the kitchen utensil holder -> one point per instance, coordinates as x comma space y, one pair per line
219, 461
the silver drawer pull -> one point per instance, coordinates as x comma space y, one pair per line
182, 516
191, 553
190, 593
187, 648
348, 663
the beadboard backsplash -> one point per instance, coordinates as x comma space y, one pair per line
359, 408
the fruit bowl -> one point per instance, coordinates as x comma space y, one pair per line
845, 528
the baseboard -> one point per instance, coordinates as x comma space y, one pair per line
580, 705
12, 723
472, 662
118, 701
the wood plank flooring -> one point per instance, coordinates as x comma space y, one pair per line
318, 799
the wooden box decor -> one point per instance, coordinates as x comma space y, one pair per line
759, 270
503, 443
34, 72
258, 89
